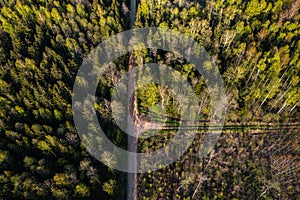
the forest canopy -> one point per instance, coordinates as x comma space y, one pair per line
255, 44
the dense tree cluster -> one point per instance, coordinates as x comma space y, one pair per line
255, 45
42, 46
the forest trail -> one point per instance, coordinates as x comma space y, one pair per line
132, 13
132, 141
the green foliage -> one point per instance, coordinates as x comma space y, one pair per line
41, 47
255, 45
3, 155
255, 7
82, 190
109, 186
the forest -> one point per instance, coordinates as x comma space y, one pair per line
255, 45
